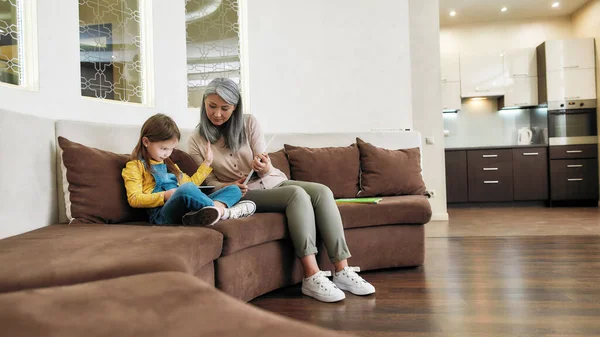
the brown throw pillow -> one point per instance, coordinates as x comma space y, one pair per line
279, 161
94, 189
185, 162
389, 172
336, 167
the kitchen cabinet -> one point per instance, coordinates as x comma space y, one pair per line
530, 174
450, 82
518, 173
450, 68
571, 84
456, 176
451, 96
574, 172
490, 175
570, 54
521, 91
520, 63
482, 74
520, 78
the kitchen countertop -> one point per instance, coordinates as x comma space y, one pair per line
494, 147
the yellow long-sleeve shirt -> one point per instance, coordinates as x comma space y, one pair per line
140, 183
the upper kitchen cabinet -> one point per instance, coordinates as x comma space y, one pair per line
450, 82
451, 101
520, 72
482, 74
574, 84
520, 63
570, 54
566, 70
450, 68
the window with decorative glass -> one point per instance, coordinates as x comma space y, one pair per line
212, 44
11, 42
112, 50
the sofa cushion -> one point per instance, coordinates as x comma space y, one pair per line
406, 209
63, 254
242, 233
94, 189
389, 172
336, 167
279, 161
157, 304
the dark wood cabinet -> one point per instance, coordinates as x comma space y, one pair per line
574, 151
456, 176
490, 175
574, 172
574, 179
530, 174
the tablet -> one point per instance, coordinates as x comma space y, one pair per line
252, 171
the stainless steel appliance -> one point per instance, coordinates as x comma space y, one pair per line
572, 122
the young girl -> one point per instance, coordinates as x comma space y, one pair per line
153, 181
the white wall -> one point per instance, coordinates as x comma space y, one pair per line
426, 96
327, 66
586, 23
59, 94
498, 36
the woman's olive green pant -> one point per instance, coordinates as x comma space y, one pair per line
308, 206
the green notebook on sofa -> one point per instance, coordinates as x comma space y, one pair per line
359, 200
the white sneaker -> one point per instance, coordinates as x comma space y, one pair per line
242, 209
347, 279
321, 288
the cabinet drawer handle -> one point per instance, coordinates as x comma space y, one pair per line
481, 90
572, 97
575, 179
490, 181
570, 67
573, 166
489, 155
531, 153
574, 151
490, 169
524, 74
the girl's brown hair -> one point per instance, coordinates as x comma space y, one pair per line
157, 128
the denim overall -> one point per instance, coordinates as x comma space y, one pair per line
187, 198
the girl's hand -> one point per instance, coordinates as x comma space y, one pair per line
167, 195
208, 158
240, 184
261, 163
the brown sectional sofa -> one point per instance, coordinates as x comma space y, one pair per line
130, 277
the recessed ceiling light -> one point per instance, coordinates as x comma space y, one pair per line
555, 5
504, 9
452, 13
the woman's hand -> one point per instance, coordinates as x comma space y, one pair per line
261, 164
167, 195
240, 184
208, 158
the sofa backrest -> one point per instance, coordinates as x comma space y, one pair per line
27, 173
31, 181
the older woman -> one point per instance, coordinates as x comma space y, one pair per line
239, 147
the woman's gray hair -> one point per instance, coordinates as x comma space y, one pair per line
232, 130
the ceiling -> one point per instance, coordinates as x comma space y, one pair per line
472, 11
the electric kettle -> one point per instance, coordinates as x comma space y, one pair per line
524, 136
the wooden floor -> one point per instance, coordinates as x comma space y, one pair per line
478, 281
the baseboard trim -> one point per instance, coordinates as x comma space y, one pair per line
439, 217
